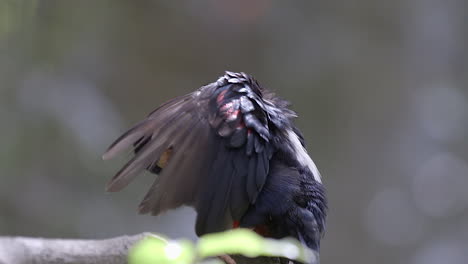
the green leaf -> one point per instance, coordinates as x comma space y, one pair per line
250, 244
153, 250
245, 242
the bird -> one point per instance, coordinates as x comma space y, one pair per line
231, 151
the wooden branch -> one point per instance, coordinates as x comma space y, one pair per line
22, 250
19, 250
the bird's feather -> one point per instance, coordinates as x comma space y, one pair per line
218, 138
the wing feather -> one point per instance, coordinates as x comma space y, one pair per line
239, 196
212, 205
141, 161
220, 141
262, 170
177, 182
251, 178
166, 113
127, 139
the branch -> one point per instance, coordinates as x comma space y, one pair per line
19, 250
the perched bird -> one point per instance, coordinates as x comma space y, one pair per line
231, 151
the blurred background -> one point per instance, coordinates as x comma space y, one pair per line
380, 86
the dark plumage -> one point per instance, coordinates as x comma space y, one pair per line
231, 151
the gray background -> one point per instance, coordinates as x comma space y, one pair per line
380, 87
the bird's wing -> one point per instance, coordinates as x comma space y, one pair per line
215, 148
